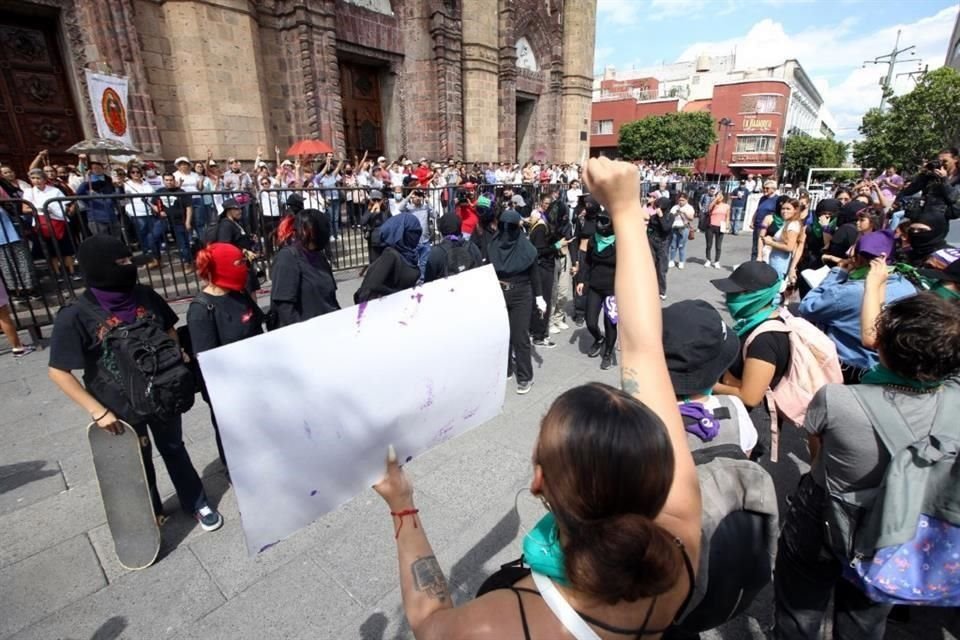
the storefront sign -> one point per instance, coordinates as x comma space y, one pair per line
757, 124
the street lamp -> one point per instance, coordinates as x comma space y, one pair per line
723, 125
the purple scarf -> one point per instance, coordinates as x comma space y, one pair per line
122, 304
706, 426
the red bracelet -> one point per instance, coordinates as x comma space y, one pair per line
400, 514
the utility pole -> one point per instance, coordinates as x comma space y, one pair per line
891, 61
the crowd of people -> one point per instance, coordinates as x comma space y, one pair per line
845, 325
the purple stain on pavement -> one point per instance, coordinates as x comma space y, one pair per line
361, 308
267, 546
313, 493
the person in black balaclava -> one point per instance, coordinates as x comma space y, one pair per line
817, 235
453, 254
584, 228
514, 259
598, 269
844, 234
659, 230
485, 230
926, 234
113, 296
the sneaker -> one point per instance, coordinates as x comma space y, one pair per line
554, 329
707, 264
671, 264
578, 321
595, 349
509, 376
25, 350
339, 238
524, 387
606, 362
716, 265
209, 519
333, 238
663, 296
680, 265
563, 326
545, 343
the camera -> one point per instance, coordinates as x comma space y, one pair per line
933, 165
463, 197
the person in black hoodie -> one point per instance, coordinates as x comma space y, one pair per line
659, 229
223, 312
486, 229
453, 254
303, 282
599, 267
397, 268
545, 240
514, 259
584, 229
925, 235
845, 234
375, 215
230, 230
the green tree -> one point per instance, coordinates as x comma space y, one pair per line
668, 138
801, 152
917, 125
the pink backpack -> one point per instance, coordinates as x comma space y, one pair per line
813, 363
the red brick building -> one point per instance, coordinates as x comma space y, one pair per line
750, 116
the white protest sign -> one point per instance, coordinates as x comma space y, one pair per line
108, 97
306, 412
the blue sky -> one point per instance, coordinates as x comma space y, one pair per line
831, 39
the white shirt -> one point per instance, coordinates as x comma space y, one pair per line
138, 207
187, 182
313, 200
396, 177
269, 204
38, 197
573, 195
685, 216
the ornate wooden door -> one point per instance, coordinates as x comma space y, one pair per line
37, 109
362, 120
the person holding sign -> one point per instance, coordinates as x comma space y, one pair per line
617, 550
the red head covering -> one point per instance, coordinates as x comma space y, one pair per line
223, 265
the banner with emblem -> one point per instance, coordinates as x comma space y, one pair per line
108, 95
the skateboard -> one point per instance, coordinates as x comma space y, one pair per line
126, 495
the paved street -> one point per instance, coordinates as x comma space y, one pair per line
335, 579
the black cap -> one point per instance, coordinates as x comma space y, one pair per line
230, 204
828, 205
749, 276
698, 346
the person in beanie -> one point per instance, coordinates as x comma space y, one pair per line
223, 313
699, 348
451, 240
111, 280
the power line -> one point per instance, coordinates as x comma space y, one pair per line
891, 61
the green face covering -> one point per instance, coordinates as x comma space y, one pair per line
881, 375
750, 308
603, 241
945, 292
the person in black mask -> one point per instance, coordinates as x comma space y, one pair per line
844, 234
229, 229
659, 229
397, 268
599, 267
113, 297
486, 228
926, 234
303, 282
453, 254
584, 229
514, 259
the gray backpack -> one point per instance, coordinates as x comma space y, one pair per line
898, 542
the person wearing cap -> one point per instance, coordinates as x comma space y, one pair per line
518, 204
699, 348
186, 178
835, 305
102, 218
751, 294
375, 215
486, 227
229, 229
417, 205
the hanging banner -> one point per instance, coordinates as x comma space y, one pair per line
108, 95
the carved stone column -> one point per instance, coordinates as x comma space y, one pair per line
579, 32
508, 84
480, 73
447, 46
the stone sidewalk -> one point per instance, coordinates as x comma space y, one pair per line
337, 578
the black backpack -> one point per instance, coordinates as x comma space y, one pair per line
144, 363
459, 258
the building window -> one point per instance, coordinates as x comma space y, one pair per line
766, 103
601, 127
756, 144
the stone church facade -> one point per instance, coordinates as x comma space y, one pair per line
479, 80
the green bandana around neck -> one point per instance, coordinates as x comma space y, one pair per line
945, 292
604, 241
542, 551
881, 375
907, 271
750, 308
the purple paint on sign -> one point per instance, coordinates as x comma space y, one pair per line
409, 458
429, 401
307, 430
313, 493
469, 414
402, 322
267, 546
361, 308
418, 297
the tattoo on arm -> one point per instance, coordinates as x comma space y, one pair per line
628, 381
428, 577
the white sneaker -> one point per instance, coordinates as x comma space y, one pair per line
563, 326
716, 265
554, 329
680, 265
663, 296
670, 265
706, 264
